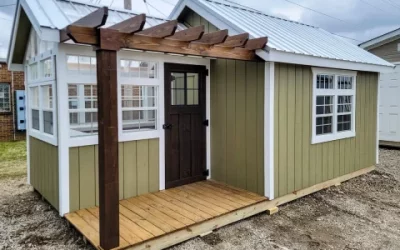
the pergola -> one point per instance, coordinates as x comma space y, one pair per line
129, 34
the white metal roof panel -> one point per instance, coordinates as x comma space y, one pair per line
289, 36
72, 10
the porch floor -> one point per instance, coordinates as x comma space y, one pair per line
165, 218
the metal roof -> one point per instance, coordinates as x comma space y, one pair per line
284, 35
57, 14
381, 40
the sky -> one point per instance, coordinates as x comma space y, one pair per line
358, 20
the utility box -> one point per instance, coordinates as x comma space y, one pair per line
20, 120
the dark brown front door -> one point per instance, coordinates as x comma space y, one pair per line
185, 131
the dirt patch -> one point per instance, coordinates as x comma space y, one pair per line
27, 222
363, 213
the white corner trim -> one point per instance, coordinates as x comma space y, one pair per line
377, 117
63, 135
286, 57
269, 89
28, 152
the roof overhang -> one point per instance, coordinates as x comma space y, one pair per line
381, 40
286, 57
24, 20
269, 54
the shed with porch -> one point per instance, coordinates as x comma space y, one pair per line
194, 99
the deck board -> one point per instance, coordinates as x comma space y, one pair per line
168, 217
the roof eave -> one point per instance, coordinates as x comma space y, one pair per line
288, 57
381, 40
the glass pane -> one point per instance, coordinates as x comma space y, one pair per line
84, 65
324, 125
178, 89
47, 68
5, 97
47, 96
344, 104
35, 119
124, 64
325, 81
324, 105
345, 82
34, 97
72, 64
139, 120
93, 65
134, 68
192, 92
48, 122
344, 123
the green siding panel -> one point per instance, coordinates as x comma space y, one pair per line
300, 164
138, 172
44, 170
237, 118
237, 124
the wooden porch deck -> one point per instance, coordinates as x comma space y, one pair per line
165, 218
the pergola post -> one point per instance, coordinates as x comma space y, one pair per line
108, 148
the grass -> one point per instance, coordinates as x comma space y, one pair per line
12, 159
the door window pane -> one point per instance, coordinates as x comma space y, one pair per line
178, 89
192, 90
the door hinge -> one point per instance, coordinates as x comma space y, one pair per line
167, 126
206, 123
207, 72
206, 172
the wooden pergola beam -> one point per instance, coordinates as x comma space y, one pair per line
130, 25
256, 43
235, 41
212, 38
188, 35
93, 20
161, 30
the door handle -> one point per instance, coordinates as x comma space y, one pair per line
167, 126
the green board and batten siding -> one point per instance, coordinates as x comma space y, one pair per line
300, 164
237, 118
138, 172
237, 123
43, 159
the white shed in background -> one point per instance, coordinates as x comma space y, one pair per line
387, 46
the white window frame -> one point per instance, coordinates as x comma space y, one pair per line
335, 92
39, 82
138, 81
9, 98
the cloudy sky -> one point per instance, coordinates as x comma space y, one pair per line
359, 20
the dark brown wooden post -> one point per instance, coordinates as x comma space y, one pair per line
108, 148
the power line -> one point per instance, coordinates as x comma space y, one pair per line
147, 7
347, 37
392, 3
373, 6
316, 11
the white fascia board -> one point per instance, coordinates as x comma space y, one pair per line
213, 17
286, 57
15, 67
381, 40
179, 6
10, 53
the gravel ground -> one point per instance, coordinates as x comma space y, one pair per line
363, 213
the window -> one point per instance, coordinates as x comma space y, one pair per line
185, 89
82, 102
47, 109
138, 69
333, 105
139, 107
5, 97
41, 108
34, 106
81, 65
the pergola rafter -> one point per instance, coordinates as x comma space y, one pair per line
130, 34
